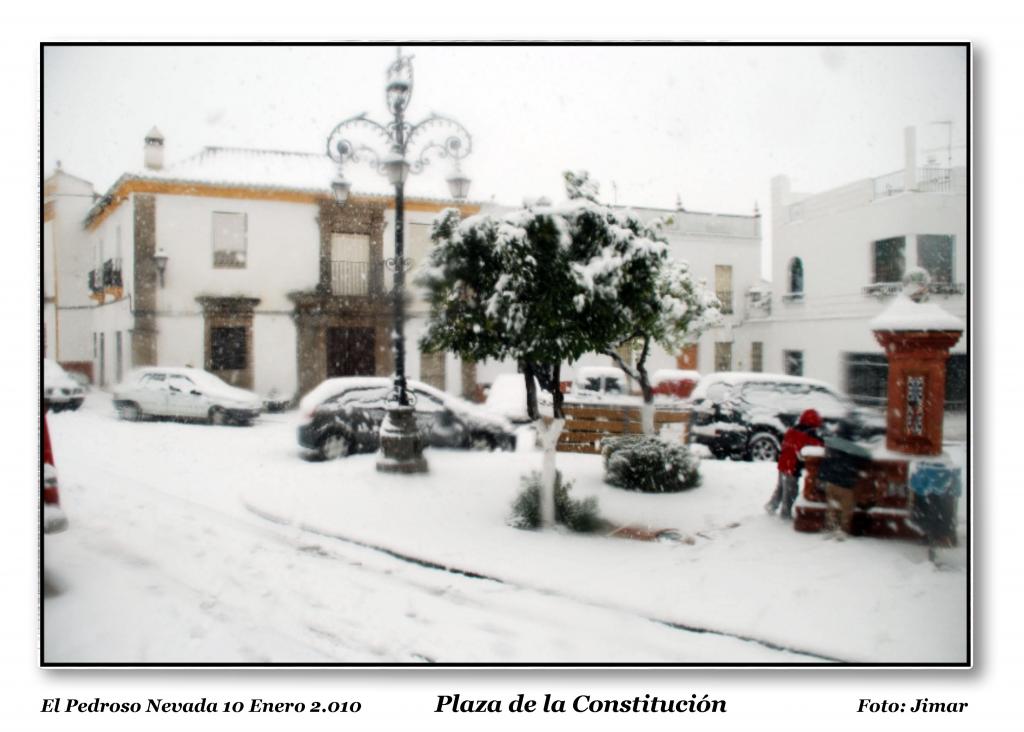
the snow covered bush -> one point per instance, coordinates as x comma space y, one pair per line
649, 464
581, 516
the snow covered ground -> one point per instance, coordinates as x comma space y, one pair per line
191, 543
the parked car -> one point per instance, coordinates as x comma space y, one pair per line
744, 415
506, 396
595, 380
54, 519
674, 383
60, 391
342, 416
184, 393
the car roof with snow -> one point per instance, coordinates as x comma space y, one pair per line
199, 376
675, 375
738, 378
590, 372
336, 386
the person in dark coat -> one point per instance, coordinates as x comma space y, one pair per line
806, 432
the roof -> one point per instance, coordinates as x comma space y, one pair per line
260, 170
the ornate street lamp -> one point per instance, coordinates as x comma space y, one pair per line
396, 149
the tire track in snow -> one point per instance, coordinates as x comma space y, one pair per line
471, 574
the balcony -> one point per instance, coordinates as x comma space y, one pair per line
759, 303
357, 279
106, 280
112, 274
926, 180
890, 289
725, 298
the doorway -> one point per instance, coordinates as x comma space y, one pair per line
350, 352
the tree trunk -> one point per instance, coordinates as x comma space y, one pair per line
548, 434
639, 373
548, 376
531, 390
647, 408
557, 397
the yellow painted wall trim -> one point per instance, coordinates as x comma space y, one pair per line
174, 188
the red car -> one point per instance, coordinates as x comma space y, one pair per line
676, 383
54, 519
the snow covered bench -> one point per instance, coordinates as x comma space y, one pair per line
586, 426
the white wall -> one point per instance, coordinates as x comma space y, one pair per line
833, 234
180, 340
66, 264
282, 252
274, 354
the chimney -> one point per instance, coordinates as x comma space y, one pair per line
909, 158
154, 152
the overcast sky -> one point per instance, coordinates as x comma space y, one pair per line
711, 124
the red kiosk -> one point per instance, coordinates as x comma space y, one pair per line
912, 467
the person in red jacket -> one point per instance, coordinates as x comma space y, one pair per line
806, 432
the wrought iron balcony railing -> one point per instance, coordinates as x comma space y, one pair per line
364, 279
888, 289
112, 273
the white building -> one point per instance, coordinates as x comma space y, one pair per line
724, 251
240, 262
65, 258
838, 257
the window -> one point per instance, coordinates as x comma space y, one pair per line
796, 276
229, 234
228, 349
867, 377
757, 356
153, 381
181, 383
688, 358
723, 286
889, 259
351, 270
794, 362
957, 382
935, 256
723, 356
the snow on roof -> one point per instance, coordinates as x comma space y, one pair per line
590, 372
263, 169
905, 314
256, 168
735, 378
675, 375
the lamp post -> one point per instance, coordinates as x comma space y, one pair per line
396, 149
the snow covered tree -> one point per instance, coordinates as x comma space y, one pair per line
546, 284
639, 293
515, 287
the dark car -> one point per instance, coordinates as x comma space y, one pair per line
744, 415
342, 416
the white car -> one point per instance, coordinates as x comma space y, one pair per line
184, 393
60, 391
